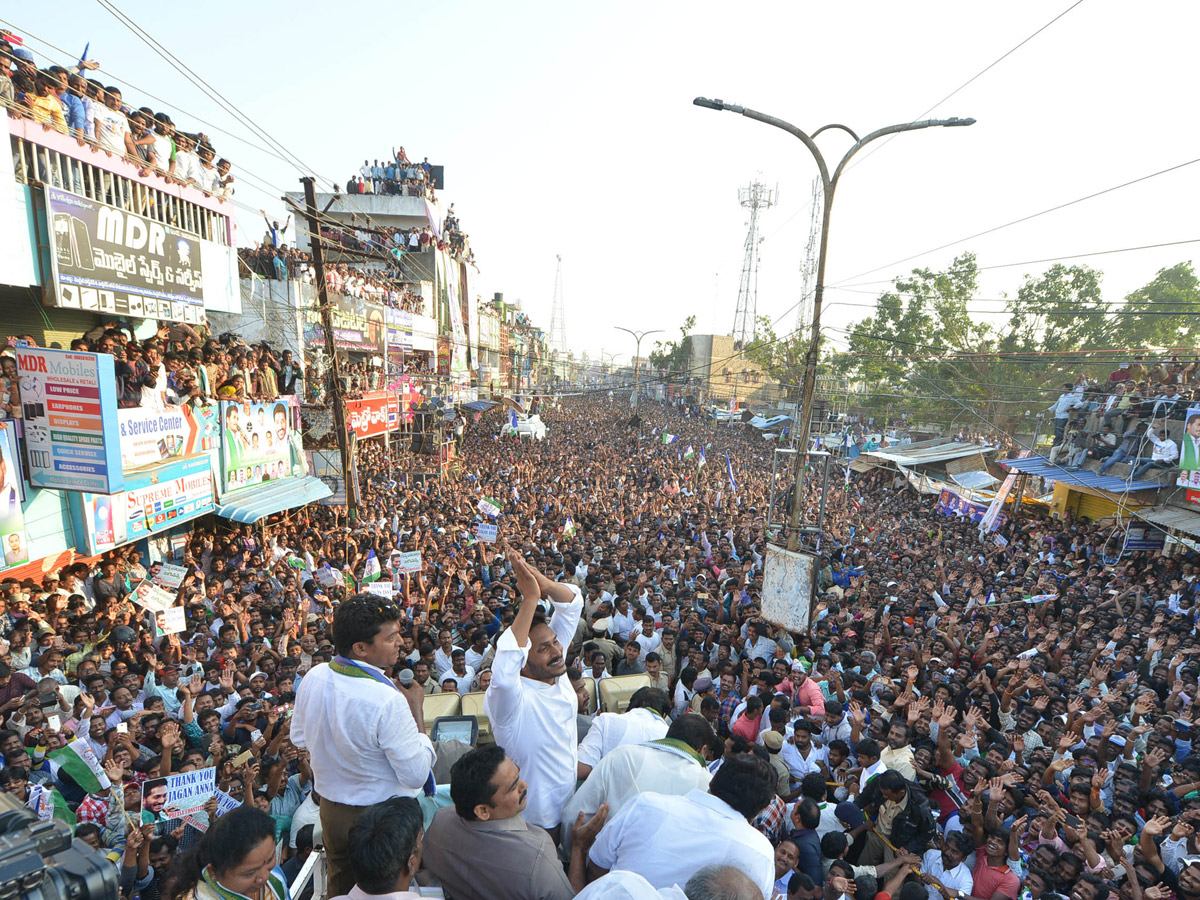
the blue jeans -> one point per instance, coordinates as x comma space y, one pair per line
1147, 465
1119, 455
1060, 428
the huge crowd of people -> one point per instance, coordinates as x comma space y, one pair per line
959, 719
68, 101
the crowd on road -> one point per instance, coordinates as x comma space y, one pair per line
960, 719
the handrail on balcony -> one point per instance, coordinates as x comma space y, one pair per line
46, 156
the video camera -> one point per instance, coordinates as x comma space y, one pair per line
42, 861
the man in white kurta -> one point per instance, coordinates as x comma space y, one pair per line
530, 702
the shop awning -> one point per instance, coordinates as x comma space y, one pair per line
1039, 465
1170, 517
916, 455
264, 500
479, 405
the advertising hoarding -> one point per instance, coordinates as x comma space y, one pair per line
13, 541
110, 261
149, 435
357, 325
154, 500
69, 401
256, 442
373, 414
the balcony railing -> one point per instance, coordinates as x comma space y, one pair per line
46, 156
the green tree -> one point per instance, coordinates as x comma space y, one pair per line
670, 358
780, 357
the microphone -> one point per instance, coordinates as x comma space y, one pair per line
405, 677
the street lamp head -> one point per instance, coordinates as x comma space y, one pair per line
957, 122
718, 105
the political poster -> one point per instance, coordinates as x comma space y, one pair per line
168, 575
256, 446
384, 589
13, 539
327, 577
151, 597
177, 795
489, 507
169, 621
486, 532
1189, 456
408, 563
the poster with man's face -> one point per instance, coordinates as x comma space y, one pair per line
13, 540
1189, 450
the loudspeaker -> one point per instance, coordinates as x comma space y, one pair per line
437, 174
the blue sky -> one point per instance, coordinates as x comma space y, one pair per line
567, 128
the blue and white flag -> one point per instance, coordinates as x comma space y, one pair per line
729, 472
703, 460
512, 418
371, 571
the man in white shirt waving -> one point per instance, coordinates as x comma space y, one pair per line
365, 733
530, 702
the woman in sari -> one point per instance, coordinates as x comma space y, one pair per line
235, 860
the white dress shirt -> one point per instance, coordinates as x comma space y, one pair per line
800, 765
535, 722
666, 839
363, 743
623, 623
443, 662
959, 878
611, 730
628, 886
632, 770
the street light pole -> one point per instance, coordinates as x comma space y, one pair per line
829, 184
637, 359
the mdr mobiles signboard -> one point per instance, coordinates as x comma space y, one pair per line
69, 401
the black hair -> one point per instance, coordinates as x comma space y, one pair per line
471, 779
867, 747
359, 619
809, 812
834, 844
224, 846
891, 780
382, 843
813, 785
800, 881
693, 730
650, 698
746, 782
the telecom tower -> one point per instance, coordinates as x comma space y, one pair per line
745, 321
558, 322
808, 269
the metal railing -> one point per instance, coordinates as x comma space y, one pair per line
34, 164
313, 871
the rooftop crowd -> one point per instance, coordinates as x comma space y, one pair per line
67, 100
959, 720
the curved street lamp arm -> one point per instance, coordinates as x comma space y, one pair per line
894, 129
792, 130
848, 131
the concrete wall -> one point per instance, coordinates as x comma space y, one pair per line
353, 211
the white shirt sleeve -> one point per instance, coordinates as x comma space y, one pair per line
504, 696
409, 752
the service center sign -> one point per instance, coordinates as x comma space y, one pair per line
70, 405
373, 414
149, 436
110, 261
